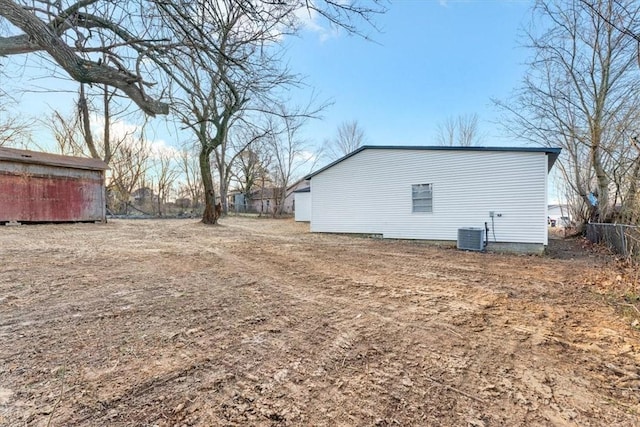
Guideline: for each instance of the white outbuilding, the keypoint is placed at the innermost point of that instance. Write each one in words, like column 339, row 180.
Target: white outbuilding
column 437, row 193
column 302, row 203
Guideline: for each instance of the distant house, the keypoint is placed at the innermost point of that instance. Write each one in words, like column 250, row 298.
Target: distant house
column 559, row 215
column 433, row 192
column 262, row 200
column 183, row 202
column 267, row 199
column 43, row 187
column 143, row 195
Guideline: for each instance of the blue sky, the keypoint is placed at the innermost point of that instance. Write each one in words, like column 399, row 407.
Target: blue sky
column 432, row 60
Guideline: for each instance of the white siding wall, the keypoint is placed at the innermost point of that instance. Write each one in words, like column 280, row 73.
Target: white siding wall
column 371, row 193
column 303, row 206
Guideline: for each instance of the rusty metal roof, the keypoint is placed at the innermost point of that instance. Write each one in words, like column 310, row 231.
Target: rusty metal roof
column 40, row 158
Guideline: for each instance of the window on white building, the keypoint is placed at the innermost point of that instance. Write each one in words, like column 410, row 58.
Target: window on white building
column 422, row 197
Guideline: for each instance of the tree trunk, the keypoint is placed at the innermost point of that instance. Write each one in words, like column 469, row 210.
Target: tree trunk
column 223, row 173
column 86, row 123
column 602, row 180
column 283, row 196
column 209, row 215
column 224, row 190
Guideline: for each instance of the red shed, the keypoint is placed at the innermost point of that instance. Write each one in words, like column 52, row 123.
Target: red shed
column 43, row 187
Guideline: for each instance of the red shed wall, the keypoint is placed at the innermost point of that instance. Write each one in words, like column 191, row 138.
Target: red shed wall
column 37, row 193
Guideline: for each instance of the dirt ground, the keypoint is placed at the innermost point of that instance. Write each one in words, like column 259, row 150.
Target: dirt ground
column 258, row 322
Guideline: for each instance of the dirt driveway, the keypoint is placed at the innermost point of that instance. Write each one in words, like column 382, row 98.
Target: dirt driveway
column 258, row 322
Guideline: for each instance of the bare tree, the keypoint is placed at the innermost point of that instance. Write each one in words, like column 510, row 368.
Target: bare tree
column 349, row 137
column 625, row 20
column 164, row 172
column 251, row 167
column 107, row 144
column 14, row 130
column 192, row 185
column 446, row 132
column 128, row 171
column 133, row 34
column 213, row 88
column 76, row 134
column 459, row 131
column 240, row 137
column 582, row 93
column 67, row 133
column 289, row 153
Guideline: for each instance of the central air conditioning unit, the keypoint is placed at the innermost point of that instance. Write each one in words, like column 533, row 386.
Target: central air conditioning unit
column 471, row 238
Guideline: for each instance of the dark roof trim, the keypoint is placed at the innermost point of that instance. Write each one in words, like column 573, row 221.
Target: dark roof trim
column 303, row 190
column 48, row 159
column 553, row 153
column 295, row 183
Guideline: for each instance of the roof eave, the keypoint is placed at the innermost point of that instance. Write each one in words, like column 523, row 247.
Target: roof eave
column 15, row 155
column 553, row 153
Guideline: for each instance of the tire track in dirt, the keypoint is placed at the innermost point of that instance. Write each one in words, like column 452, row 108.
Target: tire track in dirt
column 530, row 380
column 259, row 323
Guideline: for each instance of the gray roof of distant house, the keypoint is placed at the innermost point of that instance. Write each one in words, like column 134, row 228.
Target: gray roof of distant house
column 303, row 190
column 553, row 153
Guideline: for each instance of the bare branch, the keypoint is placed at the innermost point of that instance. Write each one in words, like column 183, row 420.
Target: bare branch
column 79, row 69
column 349, row 137
column 582, row 94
